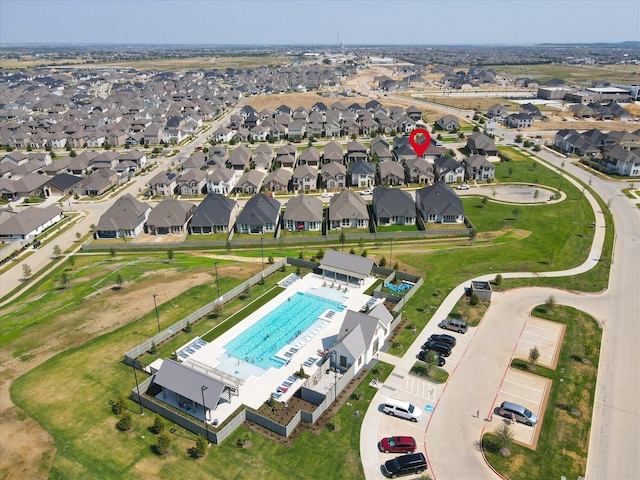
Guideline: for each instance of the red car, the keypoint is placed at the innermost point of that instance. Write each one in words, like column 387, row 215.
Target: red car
column 397, row 444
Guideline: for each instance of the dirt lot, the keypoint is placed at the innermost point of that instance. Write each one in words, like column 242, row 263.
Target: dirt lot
column 31, row 450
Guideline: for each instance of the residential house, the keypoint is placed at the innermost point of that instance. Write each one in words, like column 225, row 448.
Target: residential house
column 419, row 170
column 519, row 120
column 573, row 142
column 448, row 122
column 191, row 182
column 297, row 129
column 195, row 161
column 310, row 156
column 124, row 219
column 218, row 156
column 138, row 158
column 334, row 175
column 448, row 169
column 391, row 173
column 170, row 217
column 223, row 134
column 480, row 144
column 363, row 174
column 303, row 213
column 497, row 110
column 356, row 151
column 305, row 178
column 333, row 153
column 97, row 183
column 174, row 131
column 278, row 180
column 532, row 110
column 621, row 161
column 380, row 150
column 240, row 158
column 222, row 180
column 29, row 223
column 260, row 215
column 153, row 135
column 393, row 206
column 106, row 160
column 261, row 161
column 250, row 182
column 62, row 184
column 344, row 267
column 439, row 204
column 414, row 113
column 216, row 214
column 347, row 210
column 163, row 184
column 478, row 167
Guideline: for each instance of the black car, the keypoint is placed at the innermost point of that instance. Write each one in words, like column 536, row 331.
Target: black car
column 444, row 338
column 438, row 347
column 405, row 465
column 437, row 358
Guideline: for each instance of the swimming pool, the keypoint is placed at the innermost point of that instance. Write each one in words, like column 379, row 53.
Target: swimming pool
column 258, row 344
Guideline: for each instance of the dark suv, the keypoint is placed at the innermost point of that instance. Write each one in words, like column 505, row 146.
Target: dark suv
column 443, row 349
column 444, row 338
column 405, row 465
column 437, row 359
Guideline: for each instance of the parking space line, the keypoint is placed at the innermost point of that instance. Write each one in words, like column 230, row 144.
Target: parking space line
column 520, row 396
column 524, row 386
column 550, row 338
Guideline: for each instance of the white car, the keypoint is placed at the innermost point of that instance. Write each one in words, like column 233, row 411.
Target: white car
column 464, row 186
column 327, row 195
column 366, row 192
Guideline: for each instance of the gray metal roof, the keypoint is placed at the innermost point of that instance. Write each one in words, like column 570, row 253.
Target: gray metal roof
column 188, row 383
column 345, row 262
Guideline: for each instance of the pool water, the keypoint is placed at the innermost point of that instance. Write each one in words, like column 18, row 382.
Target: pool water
column 280, row 327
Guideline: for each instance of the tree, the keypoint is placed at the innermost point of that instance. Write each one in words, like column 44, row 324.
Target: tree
column 383, row 261
column 126, row 422
column 71, row 262
column 505, row 438
column 536, row 148
column 270, row 259
column 516, row 213
column 201, row 447
column 57, row 251
column 550, row 303
column 154, row 348
column 498, row 280
column 534, row 355
column 163, row 445
column 364, row 253
column 119, row 281
column 158, row 425
column 352, row 251
column 170, row 255
column 112, row 252
column 474, row 300
column 119, row 405
column 26, row 271
column 64, row 280
column 518, row 138
column 78, row 235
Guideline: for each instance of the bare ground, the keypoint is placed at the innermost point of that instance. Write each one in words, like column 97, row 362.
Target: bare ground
column 26, row 449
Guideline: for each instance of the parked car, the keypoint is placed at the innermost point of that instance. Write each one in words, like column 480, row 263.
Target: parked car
column 437, row 358
column 444, row 338
column 327, row 195
column 455, row 325
column 443, row 349
column 463, row 186
column 367, row 192
column 398, row 408
column 397, row 445
column 521, row 414
column 405, row 465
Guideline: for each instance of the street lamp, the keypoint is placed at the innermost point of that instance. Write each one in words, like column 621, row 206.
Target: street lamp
column 155, row 304
column 204, row 413
column 262, row 253
column 137, row 386
column 334, row 354
column 391, row 253
column 215, row 264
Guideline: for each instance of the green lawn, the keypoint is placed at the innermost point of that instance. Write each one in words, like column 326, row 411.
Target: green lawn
column 564, row 438
column 397, row 228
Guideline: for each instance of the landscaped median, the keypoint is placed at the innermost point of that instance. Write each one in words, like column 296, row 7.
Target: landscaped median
column 564, row 439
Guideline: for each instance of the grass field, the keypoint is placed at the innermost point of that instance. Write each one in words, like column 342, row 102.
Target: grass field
column 564, row 439
column 572, row 74
column 469, row 103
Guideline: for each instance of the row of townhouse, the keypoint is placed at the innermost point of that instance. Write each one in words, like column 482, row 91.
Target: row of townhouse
column 262, row 214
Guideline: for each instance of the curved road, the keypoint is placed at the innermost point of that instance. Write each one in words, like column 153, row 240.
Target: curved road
column 451, row 433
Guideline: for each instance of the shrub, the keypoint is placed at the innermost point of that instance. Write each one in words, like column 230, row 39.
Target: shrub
column 201, row 447
column 158, row 425
column 119, row 405
column 163, row 446
column 270, row 259
column 126, row 422
column 383, row 261
column 474, row 300
column 498, row 280
column 187, row 328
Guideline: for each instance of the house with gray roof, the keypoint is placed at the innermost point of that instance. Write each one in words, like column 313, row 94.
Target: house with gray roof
column 170, row 217
column 163, row 184
column 418, row 170
column 222, row 180
column 347, row 210
column 344, row 267
column 391, row 173
column 392, row 206
column 448, row 169
column 380, row 150
column 240, row 158
column 259, row 215
column 303, row 213
column 622, row 161
column 29, row 222
column 124, row 219
column 310, row 156
column 250, row 182
column 449, row 123
column 478, row 167
column 361, row 336
column 333, row 152
column 278, row 180
column 305, row 177
column 215, row 214
column 61, row 184
column 191, row 182
column 363, row 174
column 195, row 161
column 439, row 204
column 334, row 175
column 480, row 144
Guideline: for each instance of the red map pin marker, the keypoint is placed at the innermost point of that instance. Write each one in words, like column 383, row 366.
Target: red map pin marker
column 421, row 147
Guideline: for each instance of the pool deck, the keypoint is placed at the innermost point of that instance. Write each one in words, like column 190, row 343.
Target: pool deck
column 258, row 383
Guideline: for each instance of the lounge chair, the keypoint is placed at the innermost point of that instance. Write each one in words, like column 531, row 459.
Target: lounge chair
column 292, row 378
column 190, row 350
column 287, row 384
column 276, row 394
column 282, row 389
column 183, row 355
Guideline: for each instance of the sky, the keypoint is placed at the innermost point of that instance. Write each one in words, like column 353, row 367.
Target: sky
column 319, row 22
